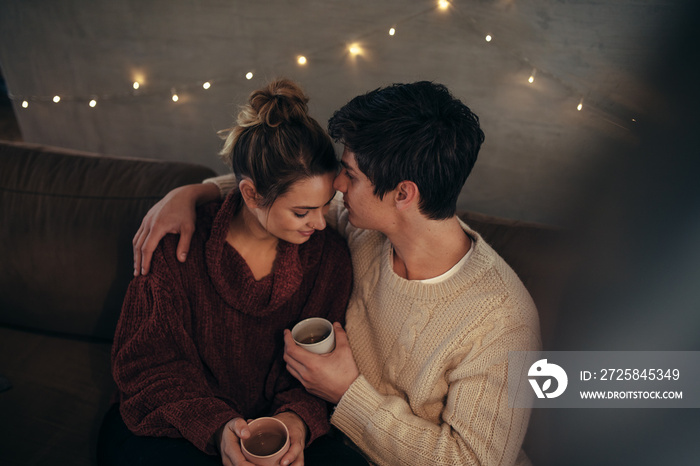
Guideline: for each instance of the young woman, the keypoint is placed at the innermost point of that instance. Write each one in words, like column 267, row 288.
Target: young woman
column 198, row 348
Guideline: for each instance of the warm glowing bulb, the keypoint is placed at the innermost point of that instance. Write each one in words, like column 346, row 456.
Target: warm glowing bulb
column 301, row 60
column 206, row 85
column 580, row 106
column 25, row 104
column 355, row 50
column 249, row 75
column 92, row 103
column 392, row 31
column 136, row 85
column 531, row 79
column 175, row 98
column 56, row 99
column 443, row 4
column 488, row 37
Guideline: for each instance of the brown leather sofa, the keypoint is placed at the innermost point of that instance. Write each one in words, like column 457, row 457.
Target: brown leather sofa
column 66, row 224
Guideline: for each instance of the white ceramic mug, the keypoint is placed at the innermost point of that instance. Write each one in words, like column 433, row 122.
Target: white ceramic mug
column 268, row 441
column 315, row 334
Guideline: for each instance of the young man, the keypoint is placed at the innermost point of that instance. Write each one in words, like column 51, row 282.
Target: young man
column 420, row 377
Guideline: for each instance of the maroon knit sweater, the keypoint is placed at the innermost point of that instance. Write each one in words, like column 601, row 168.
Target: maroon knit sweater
column 201, row 343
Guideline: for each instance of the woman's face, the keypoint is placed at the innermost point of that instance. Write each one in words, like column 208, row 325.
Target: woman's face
column 298, row 213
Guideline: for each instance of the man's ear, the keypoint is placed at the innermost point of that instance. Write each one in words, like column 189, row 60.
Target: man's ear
column 406, row 194
column 249, row 193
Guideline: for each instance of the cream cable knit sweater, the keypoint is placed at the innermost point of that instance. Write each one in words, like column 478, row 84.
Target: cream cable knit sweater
column 432, row 357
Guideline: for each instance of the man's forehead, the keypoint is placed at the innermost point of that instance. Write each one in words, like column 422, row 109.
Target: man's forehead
column 348, row 158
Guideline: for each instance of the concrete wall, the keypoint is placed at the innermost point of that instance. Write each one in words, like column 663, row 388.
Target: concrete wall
column 538, row 147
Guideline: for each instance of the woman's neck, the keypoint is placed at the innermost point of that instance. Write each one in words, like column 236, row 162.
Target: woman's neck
column 254, row 244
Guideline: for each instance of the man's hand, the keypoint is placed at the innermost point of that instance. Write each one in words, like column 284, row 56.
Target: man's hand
column 297, row 438
column 175, row 213
column 229, row 441
column 327, row 376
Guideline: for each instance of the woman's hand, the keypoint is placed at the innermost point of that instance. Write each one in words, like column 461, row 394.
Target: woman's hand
column 229, row 441
column 297, row 438
column 175, row 213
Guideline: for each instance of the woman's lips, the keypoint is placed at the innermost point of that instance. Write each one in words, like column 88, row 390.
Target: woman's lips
column 307, row 233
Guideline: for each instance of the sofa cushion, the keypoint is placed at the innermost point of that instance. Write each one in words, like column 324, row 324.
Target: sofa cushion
column 66, row 223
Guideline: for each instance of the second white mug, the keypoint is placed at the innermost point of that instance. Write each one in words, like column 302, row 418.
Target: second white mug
column 315, row 334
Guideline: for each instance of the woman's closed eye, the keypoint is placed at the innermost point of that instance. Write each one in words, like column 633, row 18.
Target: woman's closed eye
column 298, row 215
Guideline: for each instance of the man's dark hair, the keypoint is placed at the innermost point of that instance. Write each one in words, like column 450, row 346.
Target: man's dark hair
column 416, row 132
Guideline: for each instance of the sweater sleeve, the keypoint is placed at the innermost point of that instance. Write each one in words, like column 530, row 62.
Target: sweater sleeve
column 225, row 183
column 158, row 372
column 476, row 425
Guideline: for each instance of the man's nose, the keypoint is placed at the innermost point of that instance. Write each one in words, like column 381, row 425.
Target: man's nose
column 338, row 183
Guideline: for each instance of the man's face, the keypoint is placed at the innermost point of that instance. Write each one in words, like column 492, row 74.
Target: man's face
column 365, row 210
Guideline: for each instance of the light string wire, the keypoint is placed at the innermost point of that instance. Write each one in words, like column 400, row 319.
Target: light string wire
column 170, row 91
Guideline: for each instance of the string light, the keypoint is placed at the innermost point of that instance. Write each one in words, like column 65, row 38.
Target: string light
column 138, row 78
column 531, row 79
column 354, row 50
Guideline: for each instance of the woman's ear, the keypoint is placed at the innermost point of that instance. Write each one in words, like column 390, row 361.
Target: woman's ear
column 249, row 193
column 406, row 194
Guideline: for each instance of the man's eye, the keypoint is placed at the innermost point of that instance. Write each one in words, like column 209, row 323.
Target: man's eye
column 301, row 215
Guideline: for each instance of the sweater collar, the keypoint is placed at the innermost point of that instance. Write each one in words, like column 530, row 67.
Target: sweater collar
column 479, row 260
column 233, row 279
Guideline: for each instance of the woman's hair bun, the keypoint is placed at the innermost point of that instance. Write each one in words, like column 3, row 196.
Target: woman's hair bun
column 276, row 143
column 280, row 101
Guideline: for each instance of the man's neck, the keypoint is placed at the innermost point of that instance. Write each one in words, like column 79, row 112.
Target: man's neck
column 428, row 248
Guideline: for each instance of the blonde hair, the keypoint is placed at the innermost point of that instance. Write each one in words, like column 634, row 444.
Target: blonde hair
column 275, row 142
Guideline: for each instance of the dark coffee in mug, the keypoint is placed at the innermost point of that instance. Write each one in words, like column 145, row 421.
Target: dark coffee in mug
column 265, row 443
column 312, row 338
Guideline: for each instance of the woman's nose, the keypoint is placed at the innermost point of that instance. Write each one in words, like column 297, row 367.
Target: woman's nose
column 319, row 221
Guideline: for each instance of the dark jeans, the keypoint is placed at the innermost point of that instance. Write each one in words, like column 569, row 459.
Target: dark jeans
column 117, row 446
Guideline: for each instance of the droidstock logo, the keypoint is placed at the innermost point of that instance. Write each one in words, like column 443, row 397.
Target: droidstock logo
column 542, row 370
